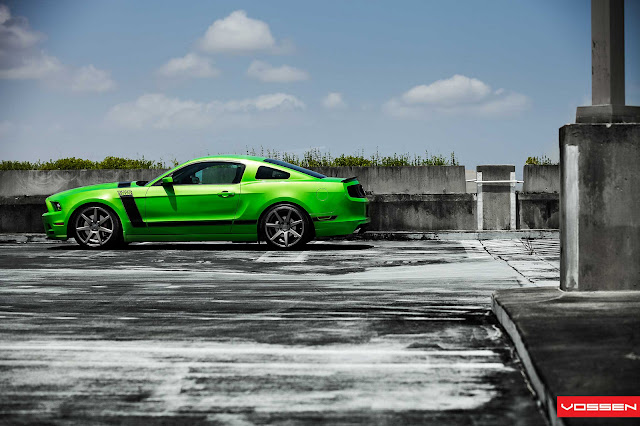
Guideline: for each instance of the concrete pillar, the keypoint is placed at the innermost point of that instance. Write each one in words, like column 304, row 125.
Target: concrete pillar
column 480, row 203
column 496, row 198
column 600, row 207
column 607, row 52
column 607, row 67
column 600, row 171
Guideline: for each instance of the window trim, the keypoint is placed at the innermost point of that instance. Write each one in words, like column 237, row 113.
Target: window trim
column 295, row 168
column 242, row 166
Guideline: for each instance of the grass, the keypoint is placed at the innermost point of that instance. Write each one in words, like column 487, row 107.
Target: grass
column 316, row 158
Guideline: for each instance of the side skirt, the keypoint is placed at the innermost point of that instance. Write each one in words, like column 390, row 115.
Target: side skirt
column 191, row 237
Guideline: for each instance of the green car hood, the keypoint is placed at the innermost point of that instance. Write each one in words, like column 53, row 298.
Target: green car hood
column 112, row 185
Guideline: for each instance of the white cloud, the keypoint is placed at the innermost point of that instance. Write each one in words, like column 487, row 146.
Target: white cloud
column 32, row 67
column 455, row 90
column 159, row 111
column 5, row 15
column 237, row 33
column 458, row 95
column 21, row 60
column 91, row 79
column 284, row 74
column 334, row 100
column 190, row 65
column 15, row 32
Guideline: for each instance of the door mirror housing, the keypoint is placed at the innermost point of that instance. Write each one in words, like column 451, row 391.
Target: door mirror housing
column 167, row 181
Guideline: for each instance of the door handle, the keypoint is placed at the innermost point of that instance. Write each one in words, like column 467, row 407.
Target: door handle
column 226, row 194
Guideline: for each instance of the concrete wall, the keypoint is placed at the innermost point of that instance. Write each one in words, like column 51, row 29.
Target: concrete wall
column 427, row 198
column 22, row 214
column 538, row 211
column 376, row 180
column 401, row 212
column 404, row 180
column 47, row 182
column 406, row 212
column 541, row 179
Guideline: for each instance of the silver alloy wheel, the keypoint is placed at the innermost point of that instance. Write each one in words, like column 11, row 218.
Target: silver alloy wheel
column 284, row 226
column 95, row 226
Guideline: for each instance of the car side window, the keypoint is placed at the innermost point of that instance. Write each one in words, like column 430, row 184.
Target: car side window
column 269, row 173
column 209, row 173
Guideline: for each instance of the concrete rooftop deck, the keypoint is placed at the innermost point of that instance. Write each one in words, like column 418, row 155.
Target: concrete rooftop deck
column 381, row 332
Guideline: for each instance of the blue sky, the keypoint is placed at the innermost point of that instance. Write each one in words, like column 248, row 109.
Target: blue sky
column 491, row 80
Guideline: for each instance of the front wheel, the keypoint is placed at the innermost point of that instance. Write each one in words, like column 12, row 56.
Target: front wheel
column 96, row 226
column 285, row 227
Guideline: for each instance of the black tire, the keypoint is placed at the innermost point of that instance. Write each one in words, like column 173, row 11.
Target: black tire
column 96, row 226
column 285, row 226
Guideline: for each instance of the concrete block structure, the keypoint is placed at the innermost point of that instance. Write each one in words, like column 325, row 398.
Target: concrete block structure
column 496, row 199
column 538, row 205
column 600, row 207
column 541, row 179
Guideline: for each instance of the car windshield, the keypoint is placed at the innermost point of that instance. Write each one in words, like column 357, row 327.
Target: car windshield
column 296, row 168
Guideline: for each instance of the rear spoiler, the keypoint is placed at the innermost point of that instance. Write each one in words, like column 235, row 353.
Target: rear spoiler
column 351, row 179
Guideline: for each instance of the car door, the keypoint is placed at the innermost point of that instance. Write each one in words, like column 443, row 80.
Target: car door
column 202, row 199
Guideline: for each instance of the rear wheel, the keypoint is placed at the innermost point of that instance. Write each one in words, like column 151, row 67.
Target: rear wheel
column 285, row 227
column 96, row 226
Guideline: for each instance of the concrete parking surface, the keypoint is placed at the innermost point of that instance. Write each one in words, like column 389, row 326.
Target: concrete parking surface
column 367, row 333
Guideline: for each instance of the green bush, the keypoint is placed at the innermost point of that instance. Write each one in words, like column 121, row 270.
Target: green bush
column 311, row 158
column 540, row 161
column 73, row 163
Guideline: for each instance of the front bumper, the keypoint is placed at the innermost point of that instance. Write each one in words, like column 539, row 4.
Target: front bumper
column 55, row 226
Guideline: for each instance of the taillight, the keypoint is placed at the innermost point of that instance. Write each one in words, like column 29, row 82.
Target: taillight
column 356, row 191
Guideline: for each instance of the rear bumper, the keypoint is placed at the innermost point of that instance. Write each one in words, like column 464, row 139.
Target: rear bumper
column 54, row 225
column 338, row 227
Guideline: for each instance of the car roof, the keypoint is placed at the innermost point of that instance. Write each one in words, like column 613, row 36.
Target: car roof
column 230, row 157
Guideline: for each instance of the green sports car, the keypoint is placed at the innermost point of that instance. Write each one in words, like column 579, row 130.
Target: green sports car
column 219, row 198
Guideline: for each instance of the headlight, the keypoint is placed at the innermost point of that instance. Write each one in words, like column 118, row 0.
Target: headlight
column 56, row 206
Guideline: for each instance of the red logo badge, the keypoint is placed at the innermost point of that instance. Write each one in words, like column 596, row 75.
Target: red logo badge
column 598, row 406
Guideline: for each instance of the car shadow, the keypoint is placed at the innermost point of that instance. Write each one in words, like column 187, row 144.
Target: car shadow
column 320, row 246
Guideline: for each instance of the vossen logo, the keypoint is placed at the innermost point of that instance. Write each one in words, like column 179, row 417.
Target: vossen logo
column 598, row 406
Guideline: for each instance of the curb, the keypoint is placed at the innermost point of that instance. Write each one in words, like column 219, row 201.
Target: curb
column 545, row 398
column 23, row 238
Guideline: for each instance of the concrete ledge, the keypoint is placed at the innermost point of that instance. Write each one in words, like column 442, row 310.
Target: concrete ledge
column 574, row 344
column 459, row 235
column 9, row 238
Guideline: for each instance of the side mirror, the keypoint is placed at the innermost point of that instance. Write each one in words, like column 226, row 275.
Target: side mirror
column 167, row 181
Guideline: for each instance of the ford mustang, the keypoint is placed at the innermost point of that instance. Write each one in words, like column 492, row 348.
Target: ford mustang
column 218, row 198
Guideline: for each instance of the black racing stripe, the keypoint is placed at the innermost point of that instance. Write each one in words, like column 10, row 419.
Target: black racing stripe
column 324, row 218
column 133, row 213
column 175, row 223
column 124, row 184
column 245, row 222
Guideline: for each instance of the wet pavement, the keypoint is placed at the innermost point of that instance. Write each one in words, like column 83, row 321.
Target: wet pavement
column 358, row 333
